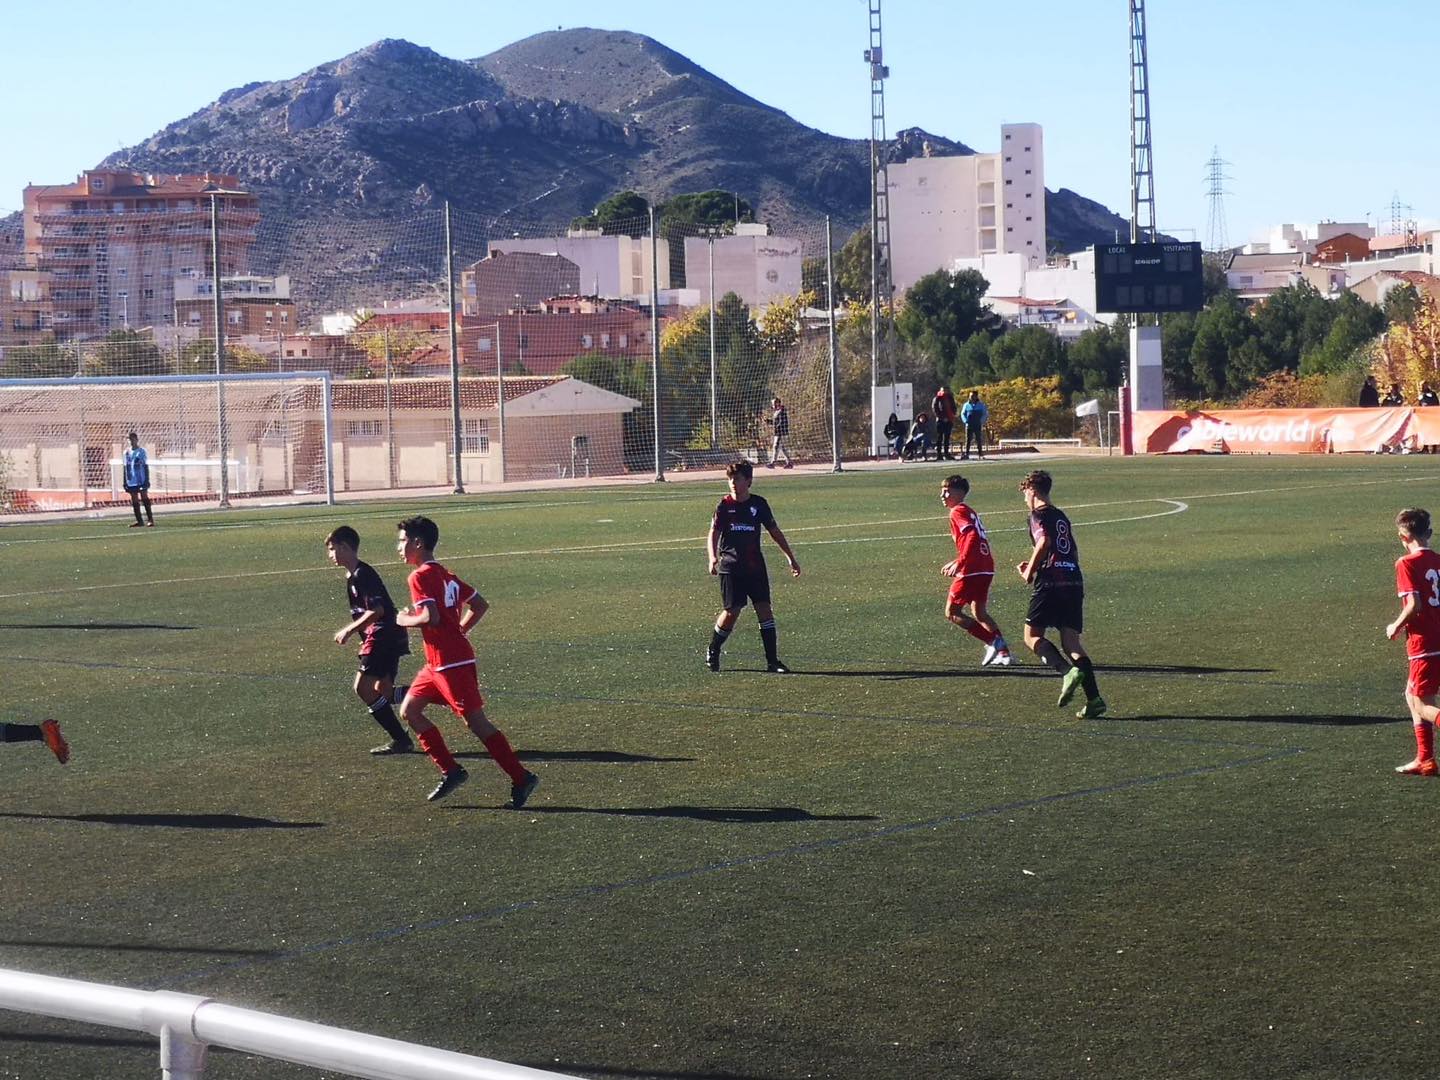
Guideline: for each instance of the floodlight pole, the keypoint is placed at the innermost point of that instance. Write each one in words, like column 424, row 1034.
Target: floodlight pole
column 834, row 351
column 456, row 433
column 221, row 421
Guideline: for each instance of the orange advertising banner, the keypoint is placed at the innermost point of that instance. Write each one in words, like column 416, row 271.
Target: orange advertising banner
column 1281, row 431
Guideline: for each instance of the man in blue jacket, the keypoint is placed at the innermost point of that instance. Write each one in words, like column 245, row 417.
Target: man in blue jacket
column 973, row 414
column 137, row 480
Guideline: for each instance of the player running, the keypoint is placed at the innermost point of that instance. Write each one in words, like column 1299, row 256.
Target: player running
column 446, row 609
column 1058, row 600
column 1417, row 580
column 733, row 547
column 47, row 731
column 973, row 570
column 382, row 642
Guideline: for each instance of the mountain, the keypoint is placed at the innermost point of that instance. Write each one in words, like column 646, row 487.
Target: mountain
column 352, row 158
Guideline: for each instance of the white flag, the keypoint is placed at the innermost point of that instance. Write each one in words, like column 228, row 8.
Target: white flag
column 1088, row 408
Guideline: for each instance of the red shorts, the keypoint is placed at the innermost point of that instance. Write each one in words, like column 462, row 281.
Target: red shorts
column 457, row 687
column 1424, row 676
column 974, row 588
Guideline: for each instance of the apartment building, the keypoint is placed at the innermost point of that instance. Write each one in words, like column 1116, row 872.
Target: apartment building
column 612, row 266
column 752, row 264
column 515, row 280
column 947, row 208
column 113, row 243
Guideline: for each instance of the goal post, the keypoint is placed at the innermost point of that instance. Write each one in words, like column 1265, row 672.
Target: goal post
column 63, row 441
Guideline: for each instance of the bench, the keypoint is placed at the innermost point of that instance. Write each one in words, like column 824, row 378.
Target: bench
column 1034, row 444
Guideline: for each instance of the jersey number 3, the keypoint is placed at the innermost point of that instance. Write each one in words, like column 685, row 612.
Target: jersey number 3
column 1433, row 577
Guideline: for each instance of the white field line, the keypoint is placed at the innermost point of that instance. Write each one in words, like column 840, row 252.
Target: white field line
column 639, row 546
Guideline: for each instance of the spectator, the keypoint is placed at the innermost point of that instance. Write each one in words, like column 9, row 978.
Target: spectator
column 779, row 422
column 1396, row 396
column 1427, row 396
column 974, row 414
column 137, row 481
column 921, row 438
column 1369, row 393
column 895, row 433
column 945, row 410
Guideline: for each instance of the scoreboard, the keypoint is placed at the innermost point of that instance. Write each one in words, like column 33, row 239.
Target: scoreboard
column 1144, row 278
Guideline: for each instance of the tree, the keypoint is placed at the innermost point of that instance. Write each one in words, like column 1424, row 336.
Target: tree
column 852, row 269
column 972, row 363
column 714, row 208
column 779, row 326
column 626, row 213
column 1031, row 352
column 127, row 352
column 1353, row 325
column 944, row 309
column 1033, row 407
column 1220, row 330
column 1409, row 352
column 48, row 360
column 1401, row 303
column 1097, row 359
column 621, row 375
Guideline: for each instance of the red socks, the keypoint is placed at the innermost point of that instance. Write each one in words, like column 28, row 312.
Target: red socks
column 433, row 743
column 1425, row 741
column 981, row 631
column 499, row 748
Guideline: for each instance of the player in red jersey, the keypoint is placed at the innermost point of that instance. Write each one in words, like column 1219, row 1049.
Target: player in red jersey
column 446, row 609
column 1417, row 580
column 973, row 569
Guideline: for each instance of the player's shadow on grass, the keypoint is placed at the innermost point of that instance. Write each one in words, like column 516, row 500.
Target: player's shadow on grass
column 95, row 626
column 172, row 821
column 1028, row 671
column 734, row 815
column 1305, row 719
column 603, row 757
column 132, row 946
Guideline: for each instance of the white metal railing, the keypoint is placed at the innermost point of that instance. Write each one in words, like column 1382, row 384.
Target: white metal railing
column 188, row 1025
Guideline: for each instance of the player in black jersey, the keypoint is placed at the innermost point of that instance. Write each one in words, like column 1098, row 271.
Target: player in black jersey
column 1058, row 600
column 734, row 550
column 382, row 641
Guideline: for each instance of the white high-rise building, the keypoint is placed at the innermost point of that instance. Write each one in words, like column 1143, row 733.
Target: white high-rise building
column 948, row 208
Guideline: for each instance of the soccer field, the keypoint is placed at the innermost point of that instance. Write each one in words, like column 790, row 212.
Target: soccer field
column 891, row 863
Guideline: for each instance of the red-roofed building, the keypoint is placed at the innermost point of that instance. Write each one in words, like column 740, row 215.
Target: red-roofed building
column 542, row 343
column 1346, row 247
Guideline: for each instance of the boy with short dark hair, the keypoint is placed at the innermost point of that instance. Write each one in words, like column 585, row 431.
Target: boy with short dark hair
column 1058, row 600
column 733, row 547
column 1417, row 581
column 382, row 641
column 136, row 468
column 446, row 610
column 972, row 571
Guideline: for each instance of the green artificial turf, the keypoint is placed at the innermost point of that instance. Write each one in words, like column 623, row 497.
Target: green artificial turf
column 889, row 864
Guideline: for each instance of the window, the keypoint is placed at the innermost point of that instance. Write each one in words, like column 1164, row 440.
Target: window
column 1027, row 172
column 122, row 272
column 119, row 229
column 1009, row 182
column 284, row 317
column 586, row 341
column 1029, row 218
column 1008, row 157
column 149, row 294
column 1009, row 206
column 624, row 341
column 1027, row 194
column 1007, row 136
column 97, row 183
column 366, row 429
column 483, row 345
column 1009, row 228
column 233, row 318
column 604, row 341
column 475, row 437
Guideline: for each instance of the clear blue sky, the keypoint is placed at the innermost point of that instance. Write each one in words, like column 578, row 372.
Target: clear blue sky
column 1306, row 99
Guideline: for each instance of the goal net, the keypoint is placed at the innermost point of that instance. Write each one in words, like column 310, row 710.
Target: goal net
column 207, row 439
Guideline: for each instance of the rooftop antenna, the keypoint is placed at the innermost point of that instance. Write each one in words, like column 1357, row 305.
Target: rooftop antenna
column 1216, row 238
column 881, row 288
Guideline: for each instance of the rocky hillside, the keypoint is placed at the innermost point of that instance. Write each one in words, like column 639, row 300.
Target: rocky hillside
column 353, row 158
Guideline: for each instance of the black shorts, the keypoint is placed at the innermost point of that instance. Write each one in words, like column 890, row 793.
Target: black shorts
column 383, row 660
column 1061, row 608
column 739, row 587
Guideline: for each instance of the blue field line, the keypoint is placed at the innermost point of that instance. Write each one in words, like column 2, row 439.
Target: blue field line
column 812, row 847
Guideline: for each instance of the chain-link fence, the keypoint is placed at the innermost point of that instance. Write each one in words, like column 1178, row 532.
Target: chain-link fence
column 463, row 351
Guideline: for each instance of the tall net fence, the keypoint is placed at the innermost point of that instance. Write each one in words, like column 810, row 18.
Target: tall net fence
column 556, row 336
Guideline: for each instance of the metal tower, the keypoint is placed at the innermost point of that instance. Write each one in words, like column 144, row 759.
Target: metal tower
column 1216, row 238
column 881, row 287
column 1142, row 167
